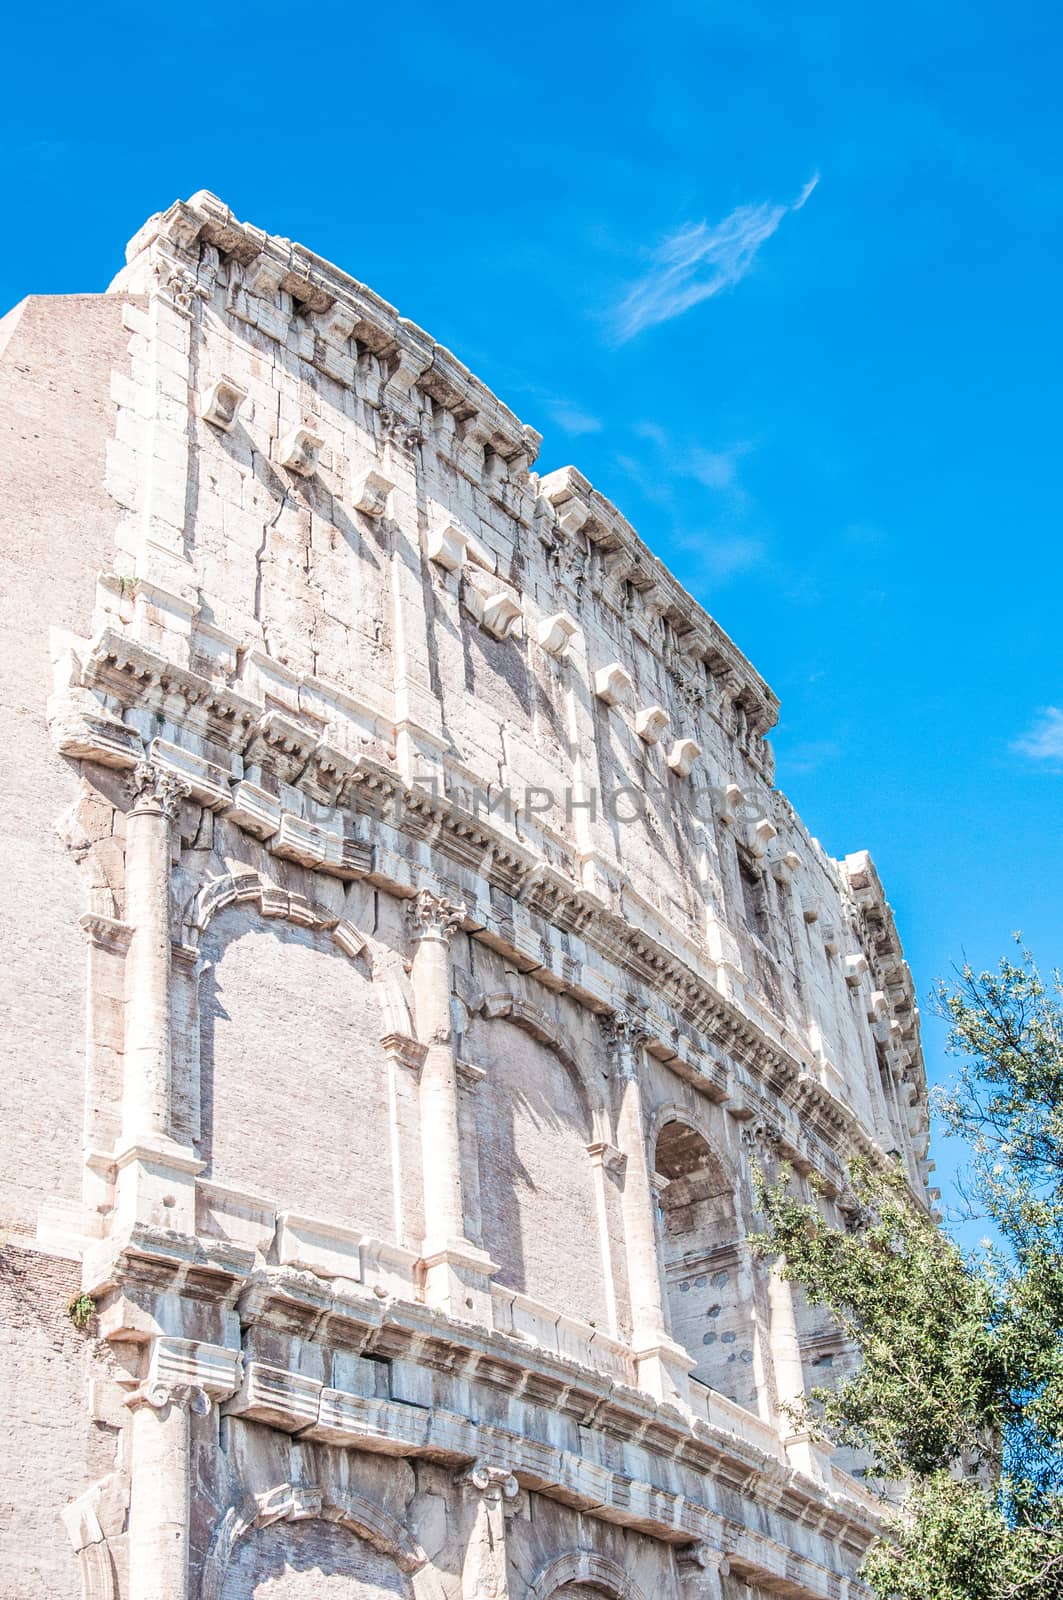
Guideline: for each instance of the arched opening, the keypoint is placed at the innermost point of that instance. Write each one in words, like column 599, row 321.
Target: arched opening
column 703, row 1244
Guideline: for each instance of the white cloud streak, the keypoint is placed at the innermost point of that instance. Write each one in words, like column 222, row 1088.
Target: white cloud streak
column 1044, row 741
column 699, row 261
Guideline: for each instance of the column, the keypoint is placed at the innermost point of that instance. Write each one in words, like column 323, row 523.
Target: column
column 484, row 1574
column 662, row 1366
column 146, row 1094
column 159, row 1495
column 156, row 1174
column 763, row 1141
column 457, row 1272
column 185, row 1377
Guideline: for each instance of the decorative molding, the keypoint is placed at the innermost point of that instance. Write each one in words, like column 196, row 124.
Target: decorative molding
column 295, row 1503
column 587, row 1569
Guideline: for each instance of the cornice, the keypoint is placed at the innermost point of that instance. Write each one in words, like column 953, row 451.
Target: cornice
column 300, row 755
column 335, row 307
column 302, row 1306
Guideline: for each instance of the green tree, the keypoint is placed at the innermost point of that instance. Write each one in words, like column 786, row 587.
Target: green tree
column 959, row 1396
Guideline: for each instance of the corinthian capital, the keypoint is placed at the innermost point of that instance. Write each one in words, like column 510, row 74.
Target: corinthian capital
column 431, row 917
column 625, row 1034
column 155, row 789
column 762, row 1138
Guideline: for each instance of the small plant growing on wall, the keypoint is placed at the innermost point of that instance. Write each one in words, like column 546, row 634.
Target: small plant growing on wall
column 81, row 1310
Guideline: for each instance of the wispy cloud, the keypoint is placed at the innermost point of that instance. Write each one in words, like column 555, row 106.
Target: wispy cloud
column 572, row 420
column 727, row 555
column 700, row 260
column 717, row 469
column 1044, row 741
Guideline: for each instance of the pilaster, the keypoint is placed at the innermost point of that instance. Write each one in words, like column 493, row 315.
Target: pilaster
column 457, row 1273
column 762, row 1140
column 491, row 1490
column 663, row 1367
column 701, row 1570
column 184, row 1379
column 155, row 1174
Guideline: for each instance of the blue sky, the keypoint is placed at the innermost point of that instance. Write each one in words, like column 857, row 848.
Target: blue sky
column 782, row 281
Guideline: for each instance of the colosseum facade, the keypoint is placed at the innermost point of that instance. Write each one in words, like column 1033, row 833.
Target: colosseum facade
column 409, row 959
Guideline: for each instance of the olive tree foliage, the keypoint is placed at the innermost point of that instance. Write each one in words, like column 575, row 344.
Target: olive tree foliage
column 959, row 1395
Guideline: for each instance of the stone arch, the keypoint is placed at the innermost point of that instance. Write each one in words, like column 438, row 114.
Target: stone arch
column 704, row 1254
column 588, row 1568
column 358, row 1513
column 283, row 982
column 543, row 1028
column 536, row 1118
column 232, row 888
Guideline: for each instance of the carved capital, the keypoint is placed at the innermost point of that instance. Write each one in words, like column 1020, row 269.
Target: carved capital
column 625, row 1033
column 762, row 1138
column 188, row 1374
column 159, row 1395
column 179, row 285
column 154, row 789
column 698, row 1565
column 492, row 1480
column 430, row 916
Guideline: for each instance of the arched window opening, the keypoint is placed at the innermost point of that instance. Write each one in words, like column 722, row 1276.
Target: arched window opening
column 705, row 1264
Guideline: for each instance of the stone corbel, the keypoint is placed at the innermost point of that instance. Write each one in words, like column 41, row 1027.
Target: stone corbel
column 220, row 403
column 446, row 545
column 856, row 969
column 470, row 1076
column 370, row 492
column 337, row 323
column 682, row 756
column 729, row 802
column 810, row 909
column 784, row 866
column 500, row 615
column 612, row 684
column 494, row 607
column 557, row 632
column 299, row 451
column 759, row 837
column 650, row 723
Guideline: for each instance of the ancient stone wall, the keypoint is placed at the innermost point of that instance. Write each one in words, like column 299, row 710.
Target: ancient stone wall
column 428, row 958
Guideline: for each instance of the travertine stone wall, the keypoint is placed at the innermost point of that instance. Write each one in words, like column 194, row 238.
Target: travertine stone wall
column 422, row 961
